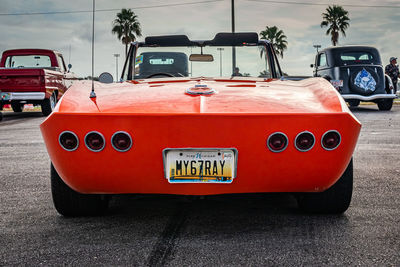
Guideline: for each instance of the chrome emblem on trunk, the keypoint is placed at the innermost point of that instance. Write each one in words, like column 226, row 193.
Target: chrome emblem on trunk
column 200, row 89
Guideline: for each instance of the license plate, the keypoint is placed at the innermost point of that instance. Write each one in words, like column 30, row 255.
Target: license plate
column 208, row 165
column 337, row 83
column 5, row 96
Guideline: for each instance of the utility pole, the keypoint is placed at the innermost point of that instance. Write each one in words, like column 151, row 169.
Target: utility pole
column 191, row 63
column 316, row 47
column 233, row 31
column 116, row 58
column 220, row 49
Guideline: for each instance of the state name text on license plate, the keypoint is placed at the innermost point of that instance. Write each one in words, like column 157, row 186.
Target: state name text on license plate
column 200, row 165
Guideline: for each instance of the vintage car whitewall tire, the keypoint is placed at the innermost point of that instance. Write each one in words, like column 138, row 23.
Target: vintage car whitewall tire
column 334, row 200
column 71, row 203
column 17, row 107
column 48, row 104
column 385, row 104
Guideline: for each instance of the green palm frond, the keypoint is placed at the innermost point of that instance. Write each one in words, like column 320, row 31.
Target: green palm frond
column 277, row 39
column 337, row 20
column 127, row 27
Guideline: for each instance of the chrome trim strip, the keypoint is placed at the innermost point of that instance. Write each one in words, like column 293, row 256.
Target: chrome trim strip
column 102, row 136
column 123, row 133
column 26, row 96
column 368, row 98
column 304, row 150
column 322, row 138
column 235, row 151
column 277, row 151
column 77, row 144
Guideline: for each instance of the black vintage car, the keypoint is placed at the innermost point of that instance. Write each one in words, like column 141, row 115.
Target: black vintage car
column 357, row 73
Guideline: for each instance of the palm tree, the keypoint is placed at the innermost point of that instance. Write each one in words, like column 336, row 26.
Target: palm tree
column 337, row 20
column 127, row 27
column 276, row 37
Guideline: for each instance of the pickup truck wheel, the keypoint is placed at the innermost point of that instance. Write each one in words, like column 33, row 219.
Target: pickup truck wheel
column 1, row 116
column 70, row 203
column 17, row 107
column 48, row 105
column 385, row 104
column 334, row 200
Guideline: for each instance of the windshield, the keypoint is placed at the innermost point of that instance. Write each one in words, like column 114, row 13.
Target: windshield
column 209, row 61
column 27, row 61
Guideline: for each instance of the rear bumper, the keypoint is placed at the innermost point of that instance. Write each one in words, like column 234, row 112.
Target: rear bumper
column 14, row 96
column 370, row 98
column 141, row 169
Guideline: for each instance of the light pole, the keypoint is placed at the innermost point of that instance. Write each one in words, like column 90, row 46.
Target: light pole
column 316, row 47
column 220, row 49
column 233, row 31
column 116, row 59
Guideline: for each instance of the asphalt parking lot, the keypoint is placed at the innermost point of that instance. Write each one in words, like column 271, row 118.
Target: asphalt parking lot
column 239, row 230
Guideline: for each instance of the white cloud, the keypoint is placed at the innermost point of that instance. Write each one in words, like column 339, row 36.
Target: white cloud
column 372, row 26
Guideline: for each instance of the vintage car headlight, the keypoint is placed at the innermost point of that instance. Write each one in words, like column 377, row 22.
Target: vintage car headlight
column 68, row 140
column 330, row 140
column 304, row 141
column 95, row 141
column 121, row 141
column 277, row 142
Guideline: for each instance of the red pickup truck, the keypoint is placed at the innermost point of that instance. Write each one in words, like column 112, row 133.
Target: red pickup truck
column 33, row 76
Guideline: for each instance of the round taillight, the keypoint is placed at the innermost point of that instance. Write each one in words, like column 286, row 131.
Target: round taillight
column 68, row 140
column 95, row 141
column 121, row 141
column 277, row 142
column 304, row 141
column 330, row 140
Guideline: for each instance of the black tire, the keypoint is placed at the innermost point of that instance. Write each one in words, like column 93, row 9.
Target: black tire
column 48, row 104
column 385, row 104
column 353, row 102
column 71, row 203
column 17, row 107
column 1, row 116
column 334, row 200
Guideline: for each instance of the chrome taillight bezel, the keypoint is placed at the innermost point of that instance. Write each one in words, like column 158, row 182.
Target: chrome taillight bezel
column 102, row 136
column 322, row 140
column 277, row 151
column 123, row 132
column 297, row 136
column 77, row 143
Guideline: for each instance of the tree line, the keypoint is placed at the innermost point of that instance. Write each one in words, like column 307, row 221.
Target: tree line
column 127, row 28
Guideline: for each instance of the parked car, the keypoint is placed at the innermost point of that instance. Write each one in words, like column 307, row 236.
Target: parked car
column 357, row 73
column 213, row 133
column 33, row 76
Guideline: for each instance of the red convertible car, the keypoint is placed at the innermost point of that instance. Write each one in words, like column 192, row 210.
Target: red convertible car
column 227, row 122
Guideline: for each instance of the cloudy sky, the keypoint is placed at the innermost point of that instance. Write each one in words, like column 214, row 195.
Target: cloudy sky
column 199, row 19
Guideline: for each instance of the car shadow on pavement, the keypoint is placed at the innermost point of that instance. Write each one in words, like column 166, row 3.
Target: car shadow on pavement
column 236, row 210
column 18, row 116
column 367, row 108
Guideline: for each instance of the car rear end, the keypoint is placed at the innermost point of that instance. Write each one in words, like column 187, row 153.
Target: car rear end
column 359, row 75
column 271, row 152
column 22, row 85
